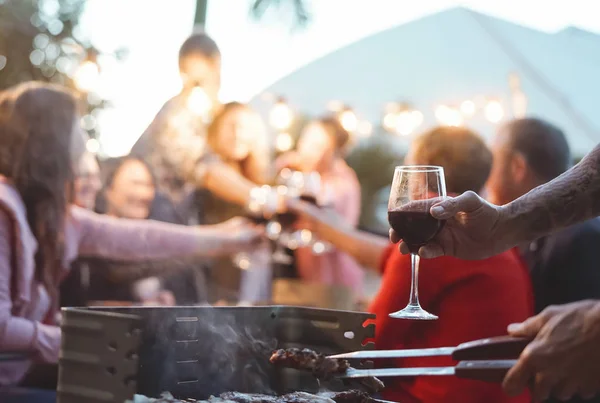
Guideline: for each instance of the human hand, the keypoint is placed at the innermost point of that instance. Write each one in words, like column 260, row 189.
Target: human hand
column 319, row 220
column 473, row 229
column 564, row 358
column 244, row 236
column 291, row 160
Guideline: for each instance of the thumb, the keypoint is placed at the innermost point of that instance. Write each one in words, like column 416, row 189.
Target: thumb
column 528, row 328
column 448, row 208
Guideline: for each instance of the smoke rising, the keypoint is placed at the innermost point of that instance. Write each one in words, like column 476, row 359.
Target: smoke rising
column 211, row 351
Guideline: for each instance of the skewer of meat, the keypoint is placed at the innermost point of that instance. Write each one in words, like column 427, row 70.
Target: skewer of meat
column 321, row 366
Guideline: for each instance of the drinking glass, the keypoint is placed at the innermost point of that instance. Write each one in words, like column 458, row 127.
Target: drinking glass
column 414, row 190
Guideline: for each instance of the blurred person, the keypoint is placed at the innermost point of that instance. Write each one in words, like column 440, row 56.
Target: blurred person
column 237, row 138
column 175, row 142
column 86, row 185
column 473, row 299
column 87, row 182
column 321, row 148
column 43, row 231
column 563, row 266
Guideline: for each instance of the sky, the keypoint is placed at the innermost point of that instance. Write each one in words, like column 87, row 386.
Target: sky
column 256, row 54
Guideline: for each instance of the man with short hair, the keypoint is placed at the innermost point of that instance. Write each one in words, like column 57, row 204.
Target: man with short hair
column 175, row 142
column 563, row 266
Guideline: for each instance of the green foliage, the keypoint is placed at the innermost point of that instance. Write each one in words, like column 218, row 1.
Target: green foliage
column 374, row 164
column 40, row 40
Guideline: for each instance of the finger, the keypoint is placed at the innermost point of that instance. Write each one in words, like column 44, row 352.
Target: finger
column 566, row 390
column 544, row 384
column 519, row 376
column 448, row 208
column 404, row 249
column 431, row 250
column 589, row 388
column 528, row 328
column 394, row 238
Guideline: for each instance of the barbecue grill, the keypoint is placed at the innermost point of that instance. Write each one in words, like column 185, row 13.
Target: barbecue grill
column 109, row 354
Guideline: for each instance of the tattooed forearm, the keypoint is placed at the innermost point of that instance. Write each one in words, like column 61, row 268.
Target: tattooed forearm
column 569, row 199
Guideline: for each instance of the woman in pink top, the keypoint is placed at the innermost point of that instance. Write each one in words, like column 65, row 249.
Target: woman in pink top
column 41, row 232
column 321, row 149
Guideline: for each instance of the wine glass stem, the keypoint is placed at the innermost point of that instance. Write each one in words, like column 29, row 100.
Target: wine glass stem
column 414, row 284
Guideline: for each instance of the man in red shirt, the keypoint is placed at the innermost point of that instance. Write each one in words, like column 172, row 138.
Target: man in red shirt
column 473, row 299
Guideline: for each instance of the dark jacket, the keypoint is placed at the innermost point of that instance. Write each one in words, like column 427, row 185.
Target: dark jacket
column 565, row 267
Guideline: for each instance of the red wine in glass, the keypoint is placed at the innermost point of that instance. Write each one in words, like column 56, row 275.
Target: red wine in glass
column 416, row 228
column 415, row 189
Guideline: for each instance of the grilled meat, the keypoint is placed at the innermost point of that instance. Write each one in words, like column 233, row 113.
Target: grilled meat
column 320, row 365
column 309, row 360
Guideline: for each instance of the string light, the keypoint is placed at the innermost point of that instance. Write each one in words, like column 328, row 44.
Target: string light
column 284, row 142
column 281, row 116
column 467, row 108
column 348, row 120
column 494, row 112
column 87, row 76
column 448, row 116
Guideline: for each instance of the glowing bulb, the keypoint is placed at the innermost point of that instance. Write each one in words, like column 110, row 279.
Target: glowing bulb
column 467, row 108
column 87, row 76
column 92, row 145
column 390, row 121
column 417, row 118
column 348, row 120
column 405, row 123
column 448, row 116
column 281, row 116
column 494, row 111
column 284, row 142
column 198, row 102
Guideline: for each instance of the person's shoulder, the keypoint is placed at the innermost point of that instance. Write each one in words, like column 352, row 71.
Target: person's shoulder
column 584, row 229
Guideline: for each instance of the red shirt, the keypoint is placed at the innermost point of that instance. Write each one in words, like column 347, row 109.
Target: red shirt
column 473, row 299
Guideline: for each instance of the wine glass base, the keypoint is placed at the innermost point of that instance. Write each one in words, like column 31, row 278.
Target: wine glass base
column 414, row 312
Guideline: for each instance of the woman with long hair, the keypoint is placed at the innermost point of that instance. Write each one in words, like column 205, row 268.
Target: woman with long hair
column 41, row 231
column 237, row 139
column 321, row 148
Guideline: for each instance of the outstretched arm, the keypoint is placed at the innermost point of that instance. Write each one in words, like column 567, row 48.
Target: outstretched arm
column 569, row 199
column 476, row 229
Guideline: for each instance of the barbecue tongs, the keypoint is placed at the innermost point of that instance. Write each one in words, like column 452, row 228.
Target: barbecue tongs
column 484, row 360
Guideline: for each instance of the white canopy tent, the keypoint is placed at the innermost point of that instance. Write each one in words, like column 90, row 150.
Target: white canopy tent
column 458, row 55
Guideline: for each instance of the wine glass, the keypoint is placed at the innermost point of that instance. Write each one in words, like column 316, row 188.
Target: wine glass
column 414, row 190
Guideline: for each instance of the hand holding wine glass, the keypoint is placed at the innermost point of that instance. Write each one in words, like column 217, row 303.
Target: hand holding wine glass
column 414, row 190
column 474, row 229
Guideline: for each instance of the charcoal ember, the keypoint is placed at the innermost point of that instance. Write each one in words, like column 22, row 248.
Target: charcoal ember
column 321, row 366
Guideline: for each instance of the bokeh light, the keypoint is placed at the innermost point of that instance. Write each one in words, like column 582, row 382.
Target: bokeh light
column 494, row 112
column 467, row 108
column 284, row 142
column 87, row 76
column 448, row 116
column 198, row 102
column 281, row 116
column 348, row 120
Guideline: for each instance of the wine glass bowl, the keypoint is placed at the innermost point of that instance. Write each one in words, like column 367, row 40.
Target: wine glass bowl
column 415, row 189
